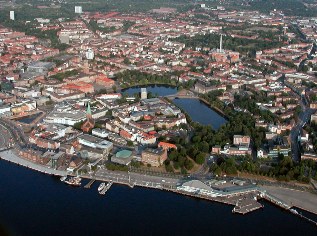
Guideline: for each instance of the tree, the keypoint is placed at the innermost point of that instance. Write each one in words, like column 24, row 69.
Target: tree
column 200, row 158
column 189, row 164
column 130, row 143
column 126, row 61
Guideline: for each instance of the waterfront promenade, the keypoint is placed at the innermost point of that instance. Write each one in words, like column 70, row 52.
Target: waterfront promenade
column 10, row 156
column 243, row 202
column 295, row 198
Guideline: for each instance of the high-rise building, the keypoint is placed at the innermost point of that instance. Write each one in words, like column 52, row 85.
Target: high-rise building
column 143, row 93
column 90, row 54
column 78, row 9
column 12, row 15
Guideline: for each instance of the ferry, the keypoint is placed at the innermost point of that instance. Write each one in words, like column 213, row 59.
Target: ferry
column 101, row 187
column 74, row 181
column 106, row 188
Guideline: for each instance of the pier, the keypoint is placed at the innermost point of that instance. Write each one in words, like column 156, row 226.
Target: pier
column 246, row 205
column 276, row 201
column 302, row 216
column 90, row 183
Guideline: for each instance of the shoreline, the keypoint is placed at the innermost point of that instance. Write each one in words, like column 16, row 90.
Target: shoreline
column 202, row 100
column 122, row 90
column 223, row 200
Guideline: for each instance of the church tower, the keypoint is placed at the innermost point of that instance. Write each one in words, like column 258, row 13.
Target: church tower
column 89, row 124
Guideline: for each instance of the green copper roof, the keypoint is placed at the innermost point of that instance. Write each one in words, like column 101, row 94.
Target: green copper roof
column 88, row 109
column 123, row 154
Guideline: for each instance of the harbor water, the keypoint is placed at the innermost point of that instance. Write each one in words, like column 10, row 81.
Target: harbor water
column 32, row 203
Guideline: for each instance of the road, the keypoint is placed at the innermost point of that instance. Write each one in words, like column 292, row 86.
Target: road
column 4, row 137
column 11, row 156
column 15, row 132
column 303, row 118
column 135, row 178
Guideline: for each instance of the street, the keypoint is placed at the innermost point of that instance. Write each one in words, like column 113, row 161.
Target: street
column 135, row 178
column 303, row 118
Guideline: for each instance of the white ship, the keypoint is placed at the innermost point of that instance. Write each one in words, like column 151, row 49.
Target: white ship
column 106, row 188
column 101, row 187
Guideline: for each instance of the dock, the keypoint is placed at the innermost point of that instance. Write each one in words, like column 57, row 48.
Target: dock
column 246, row 205
column 304, row 217
column 89, row 183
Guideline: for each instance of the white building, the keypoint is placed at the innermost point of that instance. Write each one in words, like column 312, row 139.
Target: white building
column 94, row 142
column 5, row 110
column 90, row 54
column 65, row 115
column 12, row 15
column 196, row 186
column 111, row 96
column 78, row 9
column 100, row 133
column 143, row 93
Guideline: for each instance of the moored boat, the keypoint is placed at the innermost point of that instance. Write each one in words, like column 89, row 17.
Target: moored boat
column 101, row 186
column 63, row 178
column 74, row 181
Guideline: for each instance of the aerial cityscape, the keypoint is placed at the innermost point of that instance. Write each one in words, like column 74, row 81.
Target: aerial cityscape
column 158, row 115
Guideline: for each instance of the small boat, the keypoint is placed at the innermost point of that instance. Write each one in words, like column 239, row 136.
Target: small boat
column 74, row 181
column 101, row 187
column 63, row 178
column 294, row 211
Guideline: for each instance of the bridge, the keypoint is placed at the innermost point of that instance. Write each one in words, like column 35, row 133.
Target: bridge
column 182, row 94
column 191, row 95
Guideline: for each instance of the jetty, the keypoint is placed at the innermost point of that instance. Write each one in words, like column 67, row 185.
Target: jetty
column 90, row 183
column 246, row 205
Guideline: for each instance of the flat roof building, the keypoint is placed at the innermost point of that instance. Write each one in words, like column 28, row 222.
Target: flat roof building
column 154, row 157
column 123, row 157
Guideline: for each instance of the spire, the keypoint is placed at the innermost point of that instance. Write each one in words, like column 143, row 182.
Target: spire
column 88, row 112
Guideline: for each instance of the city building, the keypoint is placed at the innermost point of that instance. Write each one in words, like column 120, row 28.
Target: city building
column 104, row 81
column 241, row 140
column 89, row 124
column 143, row 93
column 313, row 118
column 65, row 115
column 95, row 143
column 101, row 133
column 78, row 9
column 154, row 157
column 40, row 67
column 90, row 54
column 167, row 146
column 12, row 15
column 123, row 157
